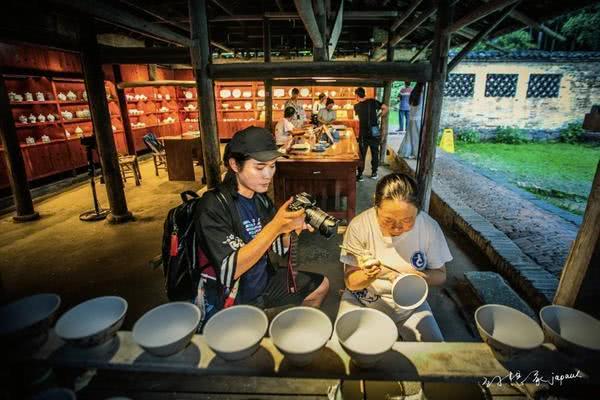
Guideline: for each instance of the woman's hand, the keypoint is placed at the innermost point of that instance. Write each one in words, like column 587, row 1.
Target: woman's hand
column 370, row 266
column 287, row 221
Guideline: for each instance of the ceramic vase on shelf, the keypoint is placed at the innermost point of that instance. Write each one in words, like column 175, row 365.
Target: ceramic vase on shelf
column 28, row 97
column 41, row 118
column 61, row 96
column 71, row 96
column 40, row 96
column 23, row 119
column 29, row 140
column 45, row 139
column 32, row 118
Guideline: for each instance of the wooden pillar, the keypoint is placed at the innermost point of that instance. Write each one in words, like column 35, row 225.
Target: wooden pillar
column 94, row 85
column 580, row 279
column 433, row 106
column 268, row 82
column 14, row 160
column 387, row 95
column 123, row 109
column 152, row 72
column 201, row 57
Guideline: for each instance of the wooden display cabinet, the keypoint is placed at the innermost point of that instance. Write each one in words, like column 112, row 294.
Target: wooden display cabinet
column 189, row 115
column 152, row 109
column 236, row 106
column 50, row 143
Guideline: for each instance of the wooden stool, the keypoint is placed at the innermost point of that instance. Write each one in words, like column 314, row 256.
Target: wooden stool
column 130, row 168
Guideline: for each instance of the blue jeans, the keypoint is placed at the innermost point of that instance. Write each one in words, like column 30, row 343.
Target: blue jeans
column 403, row 119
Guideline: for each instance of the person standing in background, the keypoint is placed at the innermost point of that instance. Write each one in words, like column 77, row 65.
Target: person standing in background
column 300, row 116
column 327, row 115
column 404, row 108
column 318, row 106
column 369, row 136
column 409, row 148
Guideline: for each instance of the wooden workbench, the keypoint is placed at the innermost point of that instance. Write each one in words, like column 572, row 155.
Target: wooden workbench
column 180, row 151
column 330, row 176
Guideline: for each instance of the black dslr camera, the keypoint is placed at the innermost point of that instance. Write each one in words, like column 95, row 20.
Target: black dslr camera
column 315, row 217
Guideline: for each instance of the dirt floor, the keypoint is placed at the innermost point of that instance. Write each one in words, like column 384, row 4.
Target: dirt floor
column 78, row 260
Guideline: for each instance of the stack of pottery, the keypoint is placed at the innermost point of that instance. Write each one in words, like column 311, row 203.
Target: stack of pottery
column 71, row 96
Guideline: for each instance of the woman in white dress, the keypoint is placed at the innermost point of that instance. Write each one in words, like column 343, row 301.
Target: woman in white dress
column 409, row 148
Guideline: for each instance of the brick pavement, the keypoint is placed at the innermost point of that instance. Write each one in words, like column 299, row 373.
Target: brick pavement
column 541, row 235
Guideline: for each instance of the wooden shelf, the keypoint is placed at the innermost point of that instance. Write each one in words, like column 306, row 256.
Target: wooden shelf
column 76, row 102
column 75, row 120
column 31, row 103
column 240, row 110
column 34, row 125
column 54, row 141
column 186, row 99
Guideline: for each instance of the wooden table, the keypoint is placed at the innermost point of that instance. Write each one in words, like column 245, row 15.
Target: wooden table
column 179, row 151
column 330, row 176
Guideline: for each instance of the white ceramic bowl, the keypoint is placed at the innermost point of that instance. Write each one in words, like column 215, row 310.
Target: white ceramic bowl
column 409, row 291
column 300, row 332
column 167, row 329
column 366, row 335
column 26, row 322
column 236, row 93
column 506, row 330
column 571, row 330
column 235, row 332
column 92, row 322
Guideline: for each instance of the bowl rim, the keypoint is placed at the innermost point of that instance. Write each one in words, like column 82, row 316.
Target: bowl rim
column 75, row 337
column 53, row 296
column 238, row 306
column 541, row 332
column 135, row 329
column 545, row 325
column 423, row 299
column 309, row 309
column 364, row 309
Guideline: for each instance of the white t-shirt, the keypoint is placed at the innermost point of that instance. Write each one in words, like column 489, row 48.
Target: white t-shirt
column 424, row 246
column 281, row 131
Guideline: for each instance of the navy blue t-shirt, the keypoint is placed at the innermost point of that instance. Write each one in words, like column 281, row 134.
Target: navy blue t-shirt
column 254, row 281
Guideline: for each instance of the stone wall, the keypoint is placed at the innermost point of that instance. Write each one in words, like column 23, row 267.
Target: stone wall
column 579, row 90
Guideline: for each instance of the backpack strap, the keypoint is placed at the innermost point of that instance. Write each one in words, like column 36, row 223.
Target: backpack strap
column 230, row 300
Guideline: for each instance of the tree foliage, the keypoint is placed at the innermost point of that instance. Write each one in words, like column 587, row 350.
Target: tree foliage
column 584, row 28
column 517, row 40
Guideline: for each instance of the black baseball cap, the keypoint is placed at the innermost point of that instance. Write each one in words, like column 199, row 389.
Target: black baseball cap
column 255, row 142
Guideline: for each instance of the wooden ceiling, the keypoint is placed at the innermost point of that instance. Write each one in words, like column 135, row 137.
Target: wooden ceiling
column 237, row 25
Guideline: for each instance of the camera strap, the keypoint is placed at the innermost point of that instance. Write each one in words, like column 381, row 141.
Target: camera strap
column 292, row 262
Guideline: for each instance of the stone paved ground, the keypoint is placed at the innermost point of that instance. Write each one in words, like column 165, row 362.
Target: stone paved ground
column 543, row 236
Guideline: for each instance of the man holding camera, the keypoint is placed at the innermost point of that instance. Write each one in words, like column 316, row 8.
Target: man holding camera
column 240, row 226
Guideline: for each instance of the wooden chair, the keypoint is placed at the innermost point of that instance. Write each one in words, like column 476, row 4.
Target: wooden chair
column 158, row 152
column 130, row 168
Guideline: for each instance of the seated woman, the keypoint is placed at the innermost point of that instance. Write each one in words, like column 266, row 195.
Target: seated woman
column 398, row 235
column 327, row 115
column 240, row 228
column 284, row 128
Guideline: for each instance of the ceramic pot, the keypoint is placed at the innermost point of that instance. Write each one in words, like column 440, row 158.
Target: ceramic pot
column 571, row 330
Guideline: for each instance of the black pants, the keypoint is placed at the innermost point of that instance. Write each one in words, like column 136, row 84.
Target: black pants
column 365, row 143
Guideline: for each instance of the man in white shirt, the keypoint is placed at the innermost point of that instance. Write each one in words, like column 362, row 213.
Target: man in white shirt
column 284, row 128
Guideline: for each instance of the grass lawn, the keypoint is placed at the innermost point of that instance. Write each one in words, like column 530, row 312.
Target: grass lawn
column 557, row 172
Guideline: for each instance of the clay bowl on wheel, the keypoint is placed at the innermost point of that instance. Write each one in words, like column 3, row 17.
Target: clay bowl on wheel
column 236, row 332
column 299, row 333
column 409, row 291
column 571, row 330
column 167, row 329
column 366, row 335
column 92, row 322
column 507, row 331
column 25, row 322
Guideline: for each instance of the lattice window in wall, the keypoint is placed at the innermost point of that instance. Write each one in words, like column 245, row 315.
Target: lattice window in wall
column 460, row 85
column 501, row 85
column 543, row 85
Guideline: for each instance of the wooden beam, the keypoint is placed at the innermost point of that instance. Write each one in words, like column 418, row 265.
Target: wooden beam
column 289, row 15
column 201, row 58
column 336, row 30
column 222, row 7
column 338, row 69
column 406, row 14
column 15, row 164
column 170, row 82
column 321, row 53
column 480, row 36
column 412, row 27
column 144, row 55
column 268, row 82
column 468, row 35
column 327, row 82
column 38, row 37
column 387, row 95
column 433, row 106
column 307, row 15
column 519, row 16
column 94, row 85
column 578, row 264
column 481, row 12
column 114, row 16
column 418, row 53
